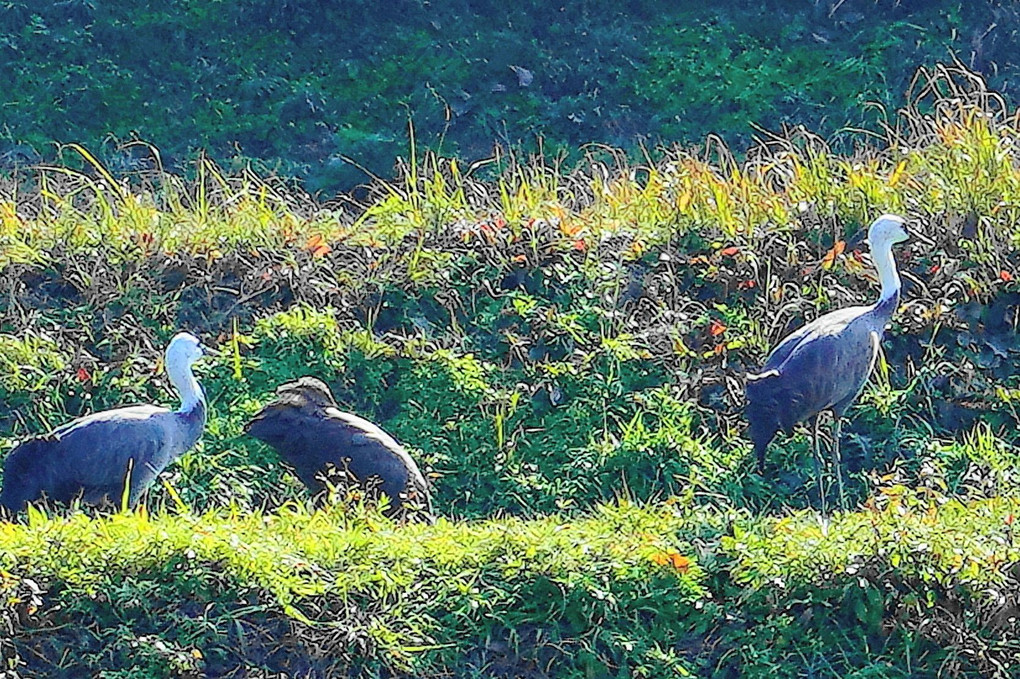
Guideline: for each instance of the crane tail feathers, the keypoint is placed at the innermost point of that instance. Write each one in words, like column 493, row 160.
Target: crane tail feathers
column 20, row 485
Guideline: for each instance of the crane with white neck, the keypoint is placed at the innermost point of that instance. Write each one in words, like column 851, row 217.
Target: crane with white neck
column 95, row 457
column 825, row 364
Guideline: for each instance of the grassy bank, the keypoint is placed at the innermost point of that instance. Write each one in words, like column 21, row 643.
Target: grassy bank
column 564, row 353
column 915, row 584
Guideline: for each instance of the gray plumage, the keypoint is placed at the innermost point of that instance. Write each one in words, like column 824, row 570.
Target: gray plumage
column 822, row 366
column 91, row 457
column 825, row 364
column 311, row 434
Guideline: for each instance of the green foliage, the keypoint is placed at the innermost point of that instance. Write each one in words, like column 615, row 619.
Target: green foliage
column 323, row 91
column 563, row 353
column 28, row 364
column 426, row 587
column 30, row 373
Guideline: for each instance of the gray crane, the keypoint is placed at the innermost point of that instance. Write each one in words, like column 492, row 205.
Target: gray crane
column 306, row 427
column 825, row 364
column 93, row 456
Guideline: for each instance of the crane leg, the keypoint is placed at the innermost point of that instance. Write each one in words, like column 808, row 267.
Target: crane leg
column 817, row 450
column 836, row 461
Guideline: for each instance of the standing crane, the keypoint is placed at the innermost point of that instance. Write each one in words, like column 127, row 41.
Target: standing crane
column 825, row 364
column 309, row 431
column 93, row 457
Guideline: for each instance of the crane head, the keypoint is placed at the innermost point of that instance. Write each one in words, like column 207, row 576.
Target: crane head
column 183, row 350
column 886, row 231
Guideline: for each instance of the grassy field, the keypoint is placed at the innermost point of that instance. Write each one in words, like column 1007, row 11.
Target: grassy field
column 325, row 91
column 564, row 354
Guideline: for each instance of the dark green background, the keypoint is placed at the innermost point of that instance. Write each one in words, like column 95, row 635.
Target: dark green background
column 299, row 85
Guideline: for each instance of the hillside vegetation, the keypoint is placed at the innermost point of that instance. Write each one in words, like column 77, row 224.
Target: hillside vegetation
column 564, row 354
column 324, row 91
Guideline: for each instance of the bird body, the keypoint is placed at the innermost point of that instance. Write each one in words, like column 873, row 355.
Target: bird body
column 838, row 350
column 825, row 364
column 92, row 457
column 308, row 430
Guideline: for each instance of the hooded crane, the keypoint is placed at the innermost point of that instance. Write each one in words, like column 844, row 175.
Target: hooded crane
column 308, row 430
column 825, row 364
column 93, row 456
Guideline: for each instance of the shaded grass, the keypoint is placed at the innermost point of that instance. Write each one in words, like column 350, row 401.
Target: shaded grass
column 305, row 93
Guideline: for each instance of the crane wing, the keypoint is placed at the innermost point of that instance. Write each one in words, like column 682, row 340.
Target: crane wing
column 90, row 456
column 373, row 452
column 832, row 323
column 311, row 434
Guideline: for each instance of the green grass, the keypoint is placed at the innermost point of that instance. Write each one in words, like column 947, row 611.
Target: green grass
column 907, row 585
column 326, row 93
column 416, row 588
column 563, row 352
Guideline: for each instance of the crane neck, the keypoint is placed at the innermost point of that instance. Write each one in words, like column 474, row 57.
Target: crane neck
column 187, row 386
column 887, row 273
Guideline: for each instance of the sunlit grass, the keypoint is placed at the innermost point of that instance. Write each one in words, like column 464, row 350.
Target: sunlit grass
column 415, row 578
column 562, row 351
column 961, row 160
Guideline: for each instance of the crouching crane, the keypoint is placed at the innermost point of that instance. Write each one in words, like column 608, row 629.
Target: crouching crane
column 311, row 434
column 825, row 364
column 94, row 456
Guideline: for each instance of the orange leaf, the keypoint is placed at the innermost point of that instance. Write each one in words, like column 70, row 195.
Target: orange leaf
column 747, row 285
column 520, row 259
column 570, row 229
column 670, row 558
column 317, row 246
column 83, row 375
column 831, row 255
column 730, row 251
column 1005, row 276
column 579, row 244
column 1009, row 519
column 934, row 268
column 716, row 329
column 699, row 259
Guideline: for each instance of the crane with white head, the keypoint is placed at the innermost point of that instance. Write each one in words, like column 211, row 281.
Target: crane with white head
column 93, row 457
column 825, row 364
